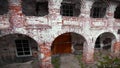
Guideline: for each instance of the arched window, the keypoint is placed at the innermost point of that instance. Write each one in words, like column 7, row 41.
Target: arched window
column 117, row 12
column 98, row 10
column 3, row 7
column 35, row 7
column 28, row 7
column 42, row 8
column 70, row 8
column 23, row 47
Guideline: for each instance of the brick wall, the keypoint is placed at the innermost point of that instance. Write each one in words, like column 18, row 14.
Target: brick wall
column 46, row 28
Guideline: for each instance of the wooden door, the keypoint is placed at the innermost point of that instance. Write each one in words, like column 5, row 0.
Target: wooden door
column 62, row 44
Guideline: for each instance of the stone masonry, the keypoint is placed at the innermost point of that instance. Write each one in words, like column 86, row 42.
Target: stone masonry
column 44, row 29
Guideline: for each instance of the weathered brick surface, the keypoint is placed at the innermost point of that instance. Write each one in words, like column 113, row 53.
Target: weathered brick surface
column 116, row 49
column 16, row 16
column 46, row 29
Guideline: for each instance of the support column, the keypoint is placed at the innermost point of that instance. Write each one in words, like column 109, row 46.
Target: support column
column 85, row 8
column 110, row 10
column 54, row 10
column 110, row 15
column 17, row 19
column 116, row 49
column 45, row 55
column 88, row 52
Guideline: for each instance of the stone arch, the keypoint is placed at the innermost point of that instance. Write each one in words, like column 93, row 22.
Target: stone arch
column 18, row 49
column 105, row 40
column 74, row 43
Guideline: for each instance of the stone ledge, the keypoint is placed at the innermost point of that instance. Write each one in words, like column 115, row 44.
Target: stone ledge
column 38, row 26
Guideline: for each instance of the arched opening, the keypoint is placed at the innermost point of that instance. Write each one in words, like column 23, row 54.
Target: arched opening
column 104, row 41
column 98, row 9
column 67, row 48
column 35, row 7
column 70, row 8
column 104, row 57
column 117, row 12
column 104, row 46
column 18, row 50
column 68, row 43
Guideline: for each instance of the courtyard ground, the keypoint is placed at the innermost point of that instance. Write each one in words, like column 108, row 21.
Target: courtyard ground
column 103, row 59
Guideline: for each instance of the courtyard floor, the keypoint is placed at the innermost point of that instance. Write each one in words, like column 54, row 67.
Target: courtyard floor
column 103, row 59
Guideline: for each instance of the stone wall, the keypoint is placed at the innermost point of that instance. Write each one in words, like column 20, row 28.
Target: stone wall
column 46, row 28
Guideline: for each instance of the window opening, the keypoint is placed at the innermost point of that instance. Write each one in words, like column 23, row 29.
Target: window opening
column 22, row 48
column 3, row 7
column 117, row 13
column 67, row 9
column 97, row 43
column 107, row 43
column 41, row 8
column 98, row 10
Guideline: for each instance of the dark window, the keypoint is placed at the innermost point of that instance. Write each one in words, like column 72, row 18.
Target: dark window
column 107, row 43
column 67, row 9
column 118, row 31
column 117, row 13
column 98, row 10
column 28, row 7
column 3, row 7
column 97, row 43
column 41, row 8
column 34, row 8
column 22, row 48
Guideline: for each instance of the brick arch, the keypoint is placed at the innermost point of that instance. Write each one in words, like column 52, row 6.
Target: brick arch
column 67, row 41
column 22, row 33
column 104, row 36
column 9, row 44
column 102, row 32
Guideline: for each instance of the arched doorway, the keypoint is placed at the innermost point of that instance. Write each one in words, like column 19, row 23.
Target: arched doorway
column 67, row 48
column 104, row 46
column 62, row 44
column 105, row 41
column 18, row 49
column 68, row 43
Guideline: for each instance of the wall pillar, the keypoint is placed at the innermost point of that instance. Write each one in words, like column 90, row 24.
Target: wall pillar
column 54, row 10
column 17, row 19
column 110, row 10
column 85, row 8
column 116, row 49
column 45, row 55
column 88, row 52
column 110, row 16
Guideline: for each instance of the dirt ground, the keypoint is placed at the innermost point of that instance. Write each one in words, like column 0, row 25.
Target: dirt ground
column 29, row 64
